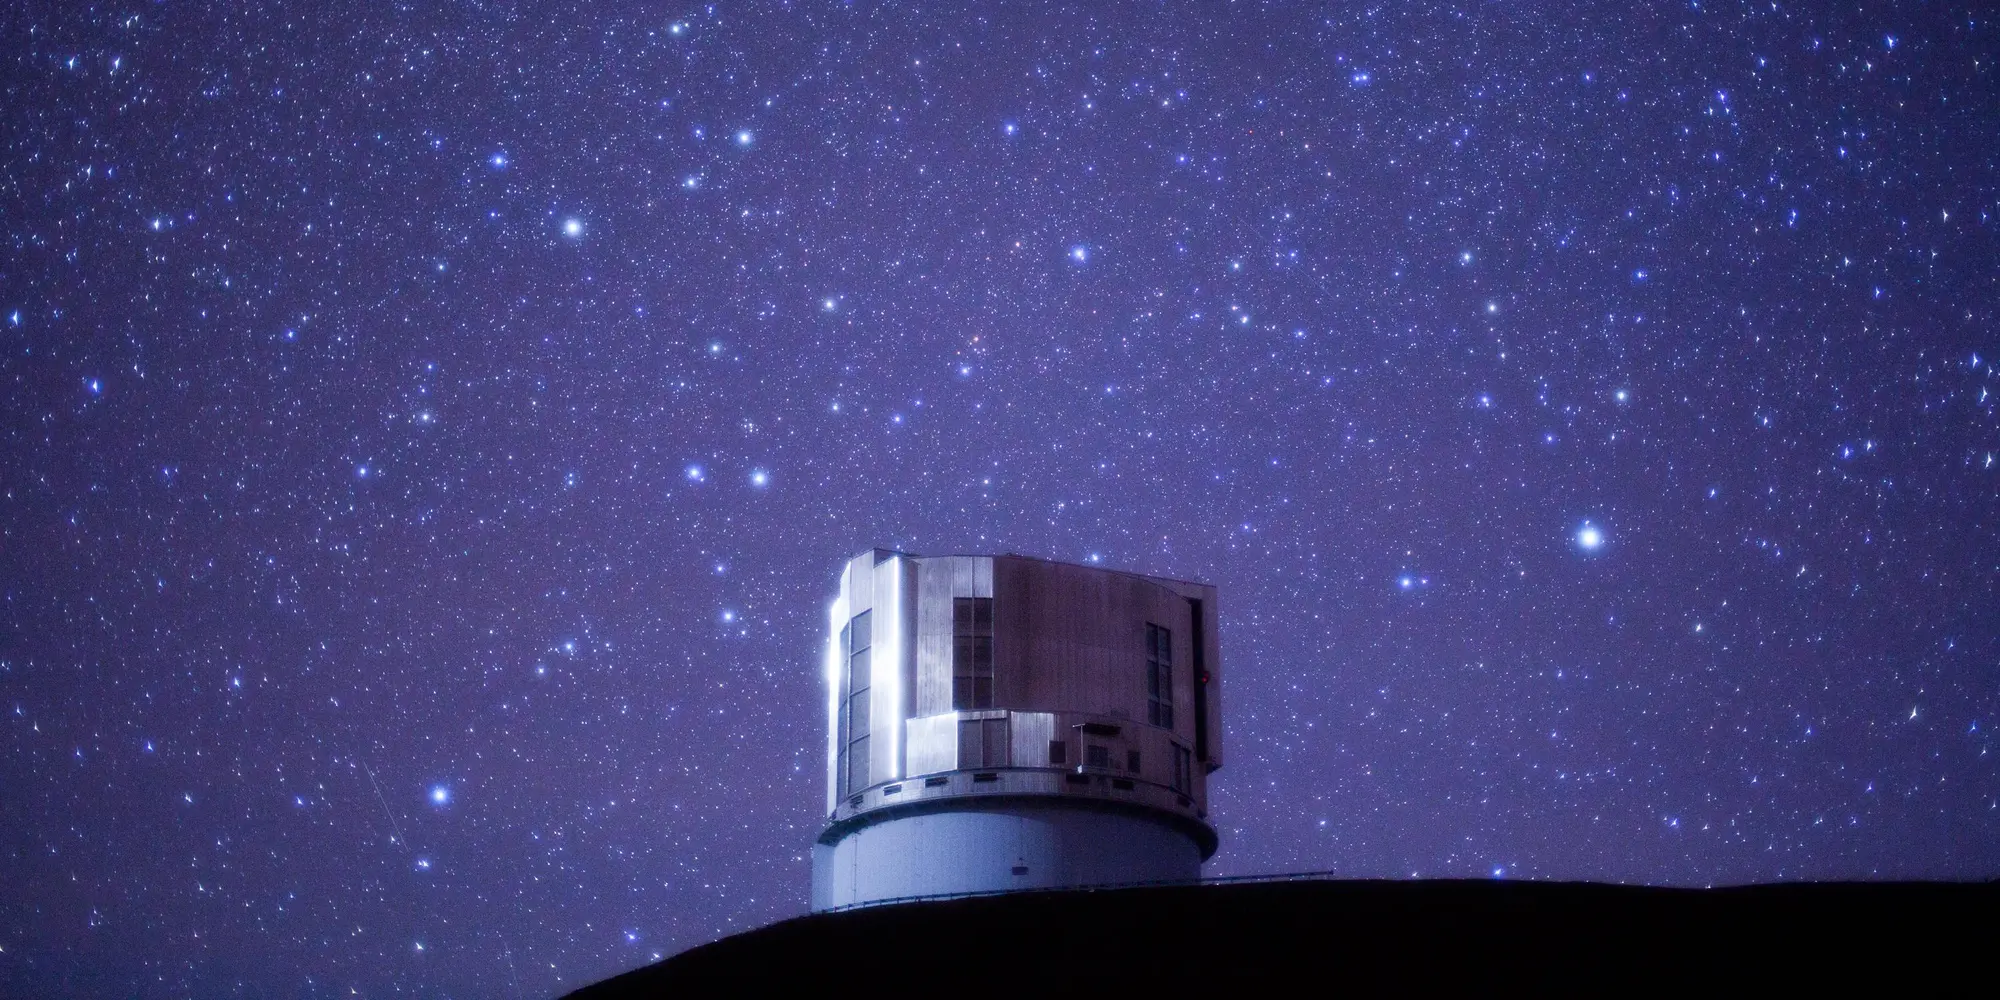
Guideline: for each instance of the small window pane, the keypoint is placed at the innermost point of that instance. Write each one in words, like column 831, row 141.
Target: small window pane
column 857, row 715
column 1058, row 752
column 1097, row 756
column 859, row 670
column 857, row 759
column 1132, row 761
column 861, row 638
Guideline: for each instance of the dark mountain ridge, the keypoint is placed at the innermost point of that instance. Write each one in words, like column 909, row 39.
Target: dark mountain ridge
column 1375, row 936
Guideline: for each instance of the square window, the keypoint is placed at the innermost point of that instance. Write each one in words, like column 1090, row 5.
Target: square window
column 1058, row 752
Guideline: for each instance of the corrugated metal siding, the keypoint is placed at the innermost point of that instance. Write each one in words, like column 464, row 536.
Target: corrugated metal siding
column 933, row 663
column 1031, row 733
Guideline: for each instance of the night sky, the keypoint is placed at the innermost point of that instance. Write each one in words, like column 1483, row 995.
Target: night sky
column 431, row 433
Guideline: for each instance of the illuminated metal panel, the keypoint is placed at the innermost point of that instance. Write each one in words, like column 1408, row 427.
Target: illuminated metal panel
column 1069, row 774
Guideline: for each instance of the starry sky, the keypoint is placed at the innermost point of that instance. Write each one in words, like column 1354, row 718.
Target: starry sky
column 431, row 432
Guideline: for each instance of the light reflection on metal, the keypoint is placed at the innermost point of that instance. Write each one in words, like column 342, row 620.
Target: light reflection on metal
column 893, row 657
column 836, row 618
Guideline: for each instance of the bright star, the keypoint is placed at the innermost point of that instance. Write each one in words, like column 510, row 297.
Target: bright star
column 572, row 228
column 695, row 473
column 1079, row 253
column 1590, row 537
column 744, row 138
column 440, row 795
column 759, row 478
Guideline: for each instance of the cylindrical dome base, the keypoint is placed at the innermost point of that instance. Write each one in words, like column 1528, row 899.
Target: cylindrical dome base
column 976, row 847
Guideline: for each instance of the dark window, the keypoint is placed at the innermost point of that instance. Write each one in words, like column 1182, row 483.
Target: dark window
column 1058, row 752
column 1183, row 769
column 982, row 743
column 1159, row 676
column 855, row 716
column 1132, row 761
column 971, row 652
column 857, row 761
column 1097, row 756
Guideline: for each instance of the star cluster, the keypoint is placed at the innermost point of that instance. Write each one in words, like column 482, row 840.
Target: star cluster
column 430, row 433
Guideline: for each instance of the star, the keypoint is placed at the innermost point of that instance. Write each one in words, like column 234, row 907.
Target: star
column 1589, row 537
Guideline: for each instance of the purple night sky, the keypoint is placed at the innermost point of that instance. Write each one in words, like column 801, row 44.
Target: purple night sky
column 431, row 432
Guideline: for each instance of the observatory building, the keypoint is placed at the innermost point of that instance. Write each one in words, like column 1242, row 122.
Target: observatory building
column 1002, row 722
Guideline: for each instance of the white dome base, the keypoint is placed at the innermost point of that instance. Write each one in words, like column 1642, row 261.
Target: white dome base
column 997, row 848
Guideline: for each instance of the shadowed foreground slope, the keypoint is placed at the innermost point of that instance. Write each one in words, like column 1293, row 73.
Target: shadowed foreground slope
column 1367, row 934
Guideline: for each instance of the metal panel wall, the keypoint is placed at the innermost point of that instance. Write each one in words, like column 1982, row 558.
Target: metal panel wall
column 1031, row 733
column 933, row 743
column 1067, row 639
column 933, row 665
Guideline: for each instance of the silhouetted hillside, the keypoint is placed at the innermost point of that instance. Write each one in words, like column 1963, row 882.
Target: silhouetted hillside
column 1379, row 936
